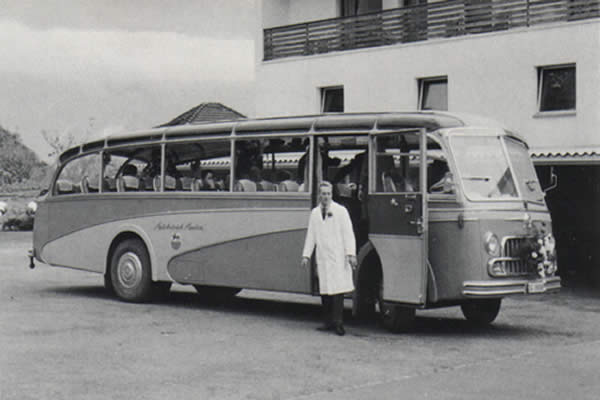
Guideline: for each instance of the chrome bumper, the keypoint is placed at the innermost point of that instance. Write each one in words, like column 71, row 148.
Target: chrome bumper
column 499, row 288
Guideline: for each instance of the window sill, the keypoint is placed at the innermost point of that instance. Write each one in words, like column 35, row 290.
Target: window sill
column 555, row 114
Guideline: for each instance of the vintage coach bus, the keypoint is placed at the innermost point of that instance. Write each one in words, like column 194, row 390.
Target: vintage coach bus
column 446, row 208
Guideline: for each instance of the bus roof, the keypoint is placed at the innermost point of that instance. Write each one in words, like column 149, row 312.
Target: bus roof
column 322, row 123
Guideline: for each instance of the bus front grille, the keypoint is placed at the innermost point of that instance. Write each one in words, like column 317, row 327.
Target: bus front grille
column 515, row 251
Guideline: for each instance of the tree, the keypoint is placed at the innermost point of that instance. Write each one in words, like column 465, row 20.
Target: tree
column 17, row 161
column 58, row 142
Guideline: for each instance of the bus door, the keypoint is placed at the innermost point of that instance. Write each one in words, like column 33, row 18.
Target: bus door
column 397, row 206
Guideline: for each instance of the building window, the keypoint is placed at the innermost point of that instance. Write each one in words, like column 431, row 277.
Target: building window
column 332, row 99
column 556, row 88
column 349, row 8
column 433, row 93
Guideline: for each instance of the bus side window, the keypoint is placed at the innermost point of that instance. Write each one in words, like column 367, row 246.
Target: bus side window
column 440, row 178
column 111, row 166
column 248, row 164
column 80, row 175
column 270, row 165
column 196, row 166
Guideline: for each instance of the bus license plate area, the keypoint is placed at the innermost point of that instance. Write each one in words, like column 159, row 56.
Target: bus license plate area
column 536, row 287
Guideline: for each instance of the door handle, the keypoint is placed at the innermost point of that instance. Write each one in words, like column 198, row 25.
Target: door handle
column 419, row 223
column 394, row 202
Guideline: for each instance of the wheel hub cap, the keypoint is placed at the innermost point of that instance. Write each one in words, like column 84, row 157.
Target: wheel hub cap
column 129, row 270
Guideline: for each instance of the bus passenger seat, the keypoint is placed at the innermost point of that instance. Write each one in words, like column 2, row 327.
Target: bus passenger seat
column 170, row 183
column 156, row 183
column 85, row 184
column 128, row 180
column 64, row 187
column 109, row 185
column 265, row 186
column 244, row 185
column 288, row 186
column 186, row 183
column 147, row 183
column 388, row 183
column 127, row 183
column 88, row 186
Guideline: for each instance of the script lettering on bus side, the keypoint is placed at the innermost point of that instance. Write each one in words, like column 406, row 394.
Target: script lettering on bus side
column 162, row 226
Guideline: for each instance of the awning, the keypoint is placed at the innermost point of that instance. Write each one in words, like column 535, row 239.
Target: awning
column 588, row 155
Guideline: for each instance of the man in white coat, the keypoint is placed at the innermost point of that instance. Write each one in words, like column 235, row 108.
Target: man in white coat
column 330, row 230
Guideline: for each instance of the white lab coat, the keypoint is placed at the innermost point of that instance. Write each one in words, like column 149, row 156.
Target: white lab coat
column 334, row 239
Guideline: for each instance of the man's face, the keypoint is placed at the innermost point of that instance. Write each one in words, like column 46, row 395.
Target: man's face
column 325, row 195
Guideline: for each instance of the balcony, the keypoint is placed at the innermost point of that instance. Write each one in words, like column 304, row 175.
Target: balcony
column 422, row 22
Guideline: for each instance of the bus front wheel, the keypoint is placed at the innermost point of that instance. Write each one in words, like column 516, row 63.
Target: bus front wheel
column 130, row 271
column 481, row 312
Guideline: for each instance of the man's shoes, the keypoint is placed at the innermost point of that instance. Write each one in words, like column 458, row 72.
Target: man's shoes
column 339, row 330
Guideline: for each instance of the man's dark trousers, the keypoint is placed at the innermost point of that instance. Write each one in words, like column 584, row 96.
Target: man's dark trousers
column 333, row 309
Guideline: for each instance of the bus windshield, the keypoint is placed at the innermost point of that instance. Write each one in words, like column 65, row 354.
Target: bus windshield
column 483, row 168
column 523, row 168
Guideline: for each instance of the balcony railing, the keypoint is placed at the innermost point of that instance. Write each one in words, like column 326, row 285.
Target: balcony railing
column 421, row 22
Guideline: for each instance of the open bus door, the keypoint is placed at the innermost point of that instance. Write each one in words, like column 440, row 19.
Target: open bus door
column 398, row 222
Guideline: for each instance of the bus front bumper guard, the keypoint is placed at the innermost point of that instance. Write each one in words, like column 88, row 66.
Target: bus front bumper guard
column 484, row 289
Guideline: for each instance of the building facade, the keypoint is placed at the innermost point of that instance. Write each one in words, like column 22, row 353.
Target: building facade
column 534, row 65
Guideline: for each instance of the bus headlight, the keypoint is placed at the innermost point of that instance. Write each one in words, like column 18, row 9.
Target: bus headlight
column 31, row 208
column 491, row 244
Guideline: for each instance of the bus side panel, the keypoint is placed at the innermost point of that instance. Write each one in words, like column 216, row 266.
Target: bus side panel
column 85, row 249
column 399, row 255
column 40, row 229
column 171, row 234
column 269, row 262
column 455, row 256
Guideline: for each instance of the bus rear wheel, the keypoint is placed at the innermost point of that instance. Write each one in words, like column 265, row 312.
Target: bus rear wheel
column 130, row 271
column 481, row 312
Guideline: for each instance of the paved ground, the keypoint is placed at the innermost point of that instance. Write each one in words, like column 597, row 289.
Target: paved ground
column 63, row 337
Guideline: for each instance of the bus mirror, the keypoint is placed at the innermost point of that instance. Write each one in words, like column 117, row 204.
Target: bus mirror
column 553, row 181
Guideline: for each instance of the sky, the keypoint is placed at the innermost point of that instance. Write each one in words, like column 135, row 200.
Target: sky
column 95, row 67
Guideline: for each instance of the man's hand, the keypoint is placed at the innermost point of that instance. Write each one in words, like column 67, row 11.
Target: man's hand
column 352, row 261
column 305, row 261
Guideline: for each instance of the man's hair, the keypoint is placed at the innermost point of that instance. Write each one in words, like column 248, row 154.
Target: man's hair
column 325, row 184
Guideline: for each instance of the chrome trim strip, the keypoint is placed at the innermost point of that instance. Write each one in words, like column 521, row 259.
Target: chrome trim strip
column 453, row 220
column 486, row 289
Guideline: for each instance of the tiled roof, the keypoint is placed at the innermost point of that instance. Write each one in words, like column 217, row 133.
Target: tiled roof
column 566, row 155
column 206, row 112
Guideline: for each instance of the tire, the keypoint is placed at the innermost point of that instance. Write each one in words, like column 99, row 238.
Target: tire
column 481, row 312
column 216, row 293
column 130, row 271
column 108, row 283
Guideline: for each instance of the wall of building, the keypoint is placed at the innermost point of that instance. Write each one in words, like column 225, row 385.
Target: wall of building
column 493, row 74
